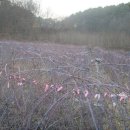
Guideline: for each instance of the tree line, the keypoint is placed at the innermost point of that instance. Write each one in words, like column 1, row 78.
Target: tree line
column 21, row 19
column 108, row 19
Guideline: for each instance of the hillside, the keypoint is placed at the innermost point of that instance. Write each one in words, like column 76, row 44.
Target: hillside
column 72, row 74
column 107, row 27
column 110, row 18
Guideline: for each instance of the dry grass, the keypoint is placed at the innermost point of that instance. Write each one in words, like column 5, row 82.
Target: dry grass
column 44, row 87
column 105, row 40
column 109, row 40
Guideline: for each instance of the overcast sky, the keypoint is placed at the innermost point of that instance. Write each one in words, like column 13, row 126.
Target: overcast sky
column 61, row 8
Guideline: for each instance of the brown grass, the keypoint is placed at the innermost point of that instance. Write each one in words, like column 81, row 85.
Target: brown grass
column 75, row 68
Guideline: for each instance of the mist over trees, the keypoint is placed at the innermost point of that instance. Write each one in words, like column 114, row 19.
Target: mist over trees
column 17, row 18
column 110, row 18
column 21, row 20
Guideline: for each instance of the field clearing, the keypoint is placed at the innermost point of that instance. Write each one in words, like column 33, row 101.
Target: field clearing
column 61, row 87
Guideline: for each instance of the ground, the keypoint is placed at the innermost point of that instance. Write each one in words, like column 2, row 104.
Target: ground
column 57, row 87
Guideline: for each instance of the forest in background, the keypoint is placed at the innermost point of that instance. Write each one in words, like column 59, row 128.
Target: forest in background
column 69, row 85
column 107, row 27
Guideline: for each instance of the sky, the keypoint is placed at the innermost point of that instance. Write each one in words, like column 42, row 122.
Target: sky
column 63, row 8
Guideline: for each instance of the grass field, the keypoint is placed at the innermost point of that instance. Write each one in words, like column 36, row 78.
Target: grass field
column 63, row 87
